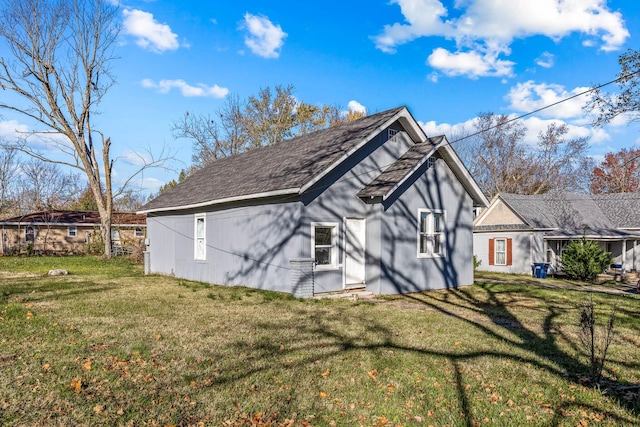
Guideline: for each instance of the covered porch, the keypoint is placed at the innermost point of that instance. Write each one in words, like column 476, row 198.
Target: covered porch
column 624, row 247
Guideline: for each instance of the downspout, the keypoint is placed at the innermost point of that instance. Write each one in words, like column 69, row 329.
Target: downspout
column 531, row 240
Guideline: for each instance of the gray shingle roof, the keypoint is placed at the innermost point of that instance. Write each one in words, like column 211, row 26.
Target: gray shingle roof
column 283, row 166
column 577, row 214
column 394, row 174
column 622, row 209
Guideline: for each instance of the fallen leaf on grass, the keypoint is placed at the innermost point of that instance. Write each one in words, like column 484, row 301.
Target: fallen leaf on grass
column 76, row 385
column 382, row 421
column 391, row 387
column 46, row 367
column 372, row 374
column 29, row 315
column 323, row 395
column 98, row 408
column 86, row 366
column 326, row 373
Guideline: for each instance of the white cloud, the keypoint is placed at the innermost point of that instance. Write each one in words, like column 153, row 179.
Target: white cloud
column 355, row 106
column 473, row 64
column 546, row 60
column 151, row 184
column 529, row 96
column 453, row 132
column 149, row 33
column 534, row 126
column 264, row 39
column 10, row 130
column 135, row 158
column 484, row 29
column 200, row 90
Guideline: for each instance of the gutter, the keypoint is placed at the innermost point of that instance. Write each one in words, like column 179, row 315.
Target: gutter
column 287, row 191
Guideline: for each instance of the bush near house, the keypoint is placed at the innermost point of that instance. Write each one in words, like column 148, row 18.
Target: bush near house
column 584, row 260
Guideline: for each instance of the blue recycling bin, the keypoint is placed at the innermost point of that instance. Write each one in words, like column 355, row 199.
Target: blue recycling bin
column 540, row 270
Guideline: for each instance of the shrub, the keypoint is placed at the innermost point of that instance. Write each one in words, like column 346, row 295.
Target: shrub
column 595, row 345
column 476, row 262
column 584, row 260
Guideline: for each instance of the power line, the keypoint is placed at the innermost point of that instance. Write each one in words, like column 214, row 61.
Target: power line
column 291, row 198
column 593, row 89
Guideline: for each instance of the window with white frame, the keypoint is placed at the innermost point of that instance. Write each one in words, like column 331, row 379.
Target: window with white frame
column 500, row 249
column 139, row 232
column 431, row 237
column 324, row 245
column 200, row 233
column 72, row 231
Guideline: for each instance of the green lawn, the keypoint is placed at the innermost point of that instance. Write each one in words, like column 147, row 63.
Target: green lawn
column 107, row 345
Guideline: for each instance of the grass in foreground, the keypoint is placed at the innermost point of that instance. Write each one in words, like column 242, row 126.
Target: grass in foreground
column 109, row 346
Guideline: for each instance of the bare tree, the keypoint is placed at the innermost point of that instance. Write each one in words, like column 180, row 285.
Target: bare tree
column 9, row 167
column 498, row 154
column 608, row 106
column 59, row 67
column 502, row 162
column 560, row 163
column 266, row 118
column 214, row 139
column 46, row 186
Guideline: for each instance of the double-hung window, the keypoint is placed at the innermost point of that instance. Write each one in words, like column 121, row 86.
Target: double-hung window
column 431, row 233
column 500, row 247
column 200, row 240
column 72, row 231
column 324, row 245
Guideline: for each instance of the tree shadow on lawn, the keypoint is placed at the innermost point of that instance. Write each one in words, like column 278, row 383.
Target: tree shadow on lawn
column 548, row 355
column 30, row 290
column 529, row 347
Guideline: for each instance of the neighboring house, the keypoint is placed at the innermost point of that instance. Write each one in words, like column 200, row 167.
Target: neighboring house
column 60, row 231
column 373, row 203
column 516, row 231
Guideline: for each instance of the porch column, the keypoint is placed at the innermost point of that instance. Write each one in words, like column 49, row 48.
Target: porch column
column 624, row 254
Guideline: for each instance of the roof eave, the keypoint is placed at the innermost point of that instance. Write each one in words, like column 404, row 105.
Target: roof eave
column 465, row 178
column 266, row 194
column 409, row 174
column 408, row 122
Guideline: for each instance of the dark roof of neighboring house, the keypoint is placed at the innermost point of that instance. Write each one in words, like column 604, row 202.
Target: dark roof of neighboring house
column 577, row 214
column 282, row 167
column 394, row 174
column 76, row 217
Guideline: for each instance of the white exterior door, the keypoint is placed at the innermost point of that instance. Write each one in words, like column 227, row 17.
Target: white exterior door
column 354, row 254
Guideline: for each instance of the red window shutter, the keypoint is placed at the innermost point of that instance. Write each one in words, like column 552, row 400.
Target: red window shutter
column 509, row 257
column 492, row 251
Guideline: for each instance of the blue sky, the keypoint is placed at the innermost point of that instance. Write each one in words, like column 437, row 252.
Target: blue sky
column 446, row 61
